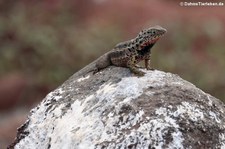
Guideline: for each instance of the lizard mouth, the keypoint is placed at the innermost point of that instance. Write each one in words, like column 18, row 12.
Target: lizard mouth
column 151, row 41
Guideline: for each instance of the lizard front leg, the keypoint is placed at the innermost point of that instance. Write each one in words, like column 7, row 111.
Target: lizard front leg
column 131, row 64
column 148, row 62
column 102, row 62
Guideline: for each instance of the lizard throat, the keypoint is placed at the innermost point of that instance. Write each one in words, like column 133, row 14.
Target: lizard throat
column 149, row 42
column 145, row 49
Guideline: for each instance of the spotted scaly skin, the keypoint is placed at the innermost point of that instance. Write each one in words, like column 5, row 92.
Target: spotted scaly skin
column 129, row 53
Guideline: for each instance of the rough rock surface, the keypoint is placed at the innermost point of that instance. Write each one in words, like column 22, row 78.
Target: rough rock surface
column 114, row 109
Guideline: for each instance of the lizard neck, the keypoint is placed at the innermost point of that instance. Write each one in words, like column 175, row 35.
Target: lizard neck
column 136, row 44
column 146, row 49
column 139, row 45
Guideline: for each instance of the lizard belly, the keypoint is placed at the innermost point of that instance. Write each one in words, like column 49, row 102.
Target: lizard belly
column 139, row 58
column 121, row 62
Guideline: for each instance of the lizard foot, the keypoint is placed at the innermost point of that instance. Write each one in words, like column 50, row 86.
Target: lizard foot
column 140, row 73
column 150, row 68
column 138, row 66
column 137, row 72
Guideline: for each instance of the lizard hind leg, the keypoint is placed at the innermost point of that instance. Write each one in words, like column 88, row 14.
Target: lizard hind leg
column 132, row 66
column 148, row 62
column 102, row 62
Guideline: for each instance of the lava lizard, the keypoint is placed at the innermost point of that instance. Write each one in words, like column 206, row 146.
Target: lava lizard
column 128, row 53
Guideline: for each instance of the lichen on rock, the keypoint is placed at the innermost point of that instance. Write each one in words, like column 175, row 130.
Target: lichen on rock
column 115, row 109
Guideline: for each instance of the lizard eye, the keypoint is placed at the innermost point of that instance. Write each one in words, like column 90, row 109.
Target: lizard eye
column 153, row 32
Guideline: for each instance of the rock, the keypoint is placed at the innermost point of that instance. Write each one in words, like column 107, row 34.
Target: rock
column 114, row 109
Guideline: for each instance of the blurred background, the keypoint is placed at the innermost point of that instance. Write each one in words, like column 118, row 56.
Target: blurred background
column 43, row 42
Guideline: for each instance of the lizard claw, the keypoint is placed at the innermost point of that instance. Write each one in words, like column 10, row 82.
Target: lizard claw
column 140, row 74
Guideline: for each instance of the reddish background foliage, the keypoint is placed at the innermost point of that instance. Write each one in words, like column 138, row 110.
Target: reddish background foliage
column 42, row 43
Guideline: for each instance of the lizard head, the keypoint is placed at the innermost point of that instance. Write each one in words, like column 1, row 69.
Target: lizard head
column 150, row 36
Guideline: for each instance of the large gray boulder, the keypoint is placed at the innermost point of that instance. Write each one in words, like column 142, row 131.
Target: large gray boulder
column 115, row 109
